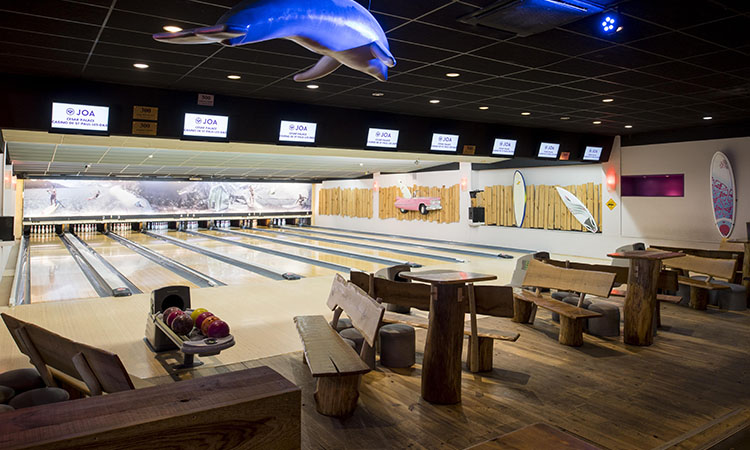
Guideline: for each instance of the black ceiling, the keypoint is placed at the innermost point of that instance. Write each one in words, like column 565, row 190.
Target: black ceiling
column 674, row 62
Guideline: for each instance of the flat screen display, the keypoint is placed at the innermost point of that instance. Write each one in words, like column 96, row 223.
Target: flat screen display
column 379, row 137
column 297, row 131
column 70, row 116
column 592, row 153
column 444, row 142
column 548, row 150
column 204, row 125
column 504, row 147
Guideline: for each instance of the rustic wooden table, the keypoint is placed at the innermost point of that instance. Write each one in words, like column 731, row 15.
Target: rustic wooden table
column 441, row 366
column 640, row 299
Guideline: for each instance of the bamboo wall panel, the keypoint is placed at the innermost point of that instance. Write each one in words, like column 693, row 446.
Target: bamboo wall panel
column 544, row 207
column 345, row 202
column 449, row 199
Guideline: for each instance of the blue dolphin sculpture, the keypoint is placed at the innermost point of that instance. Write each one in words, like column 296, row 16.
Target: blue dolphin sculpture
column 341, row 30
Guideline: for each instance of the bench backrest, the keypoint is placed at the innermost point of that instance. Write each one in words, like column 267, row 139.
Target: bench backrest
column 496, row 301
column 714, row 267
column 542, row 275
column 738, row 247
column 667, row 278
column 365, row 313
column 103, row 370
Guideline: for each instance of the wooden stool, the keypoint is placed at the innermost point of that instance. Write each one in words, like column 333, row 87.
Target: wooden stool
column 608, row 324
column 397, row 345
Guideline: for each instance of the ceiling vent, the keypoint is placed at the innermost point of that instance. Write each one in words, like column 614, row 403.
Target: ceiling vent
column 527, row 17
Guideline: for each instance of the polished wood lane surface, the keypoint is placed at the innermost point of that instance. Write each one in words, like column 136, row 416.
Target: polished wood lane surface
column 144, row 273
column 221, row 271
column 283, row 263
column 359, row 250
column 54, row 273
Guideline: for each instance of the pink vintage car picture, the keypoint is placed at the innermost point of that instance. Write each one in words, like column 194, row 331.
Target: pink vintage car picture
column 421, row 204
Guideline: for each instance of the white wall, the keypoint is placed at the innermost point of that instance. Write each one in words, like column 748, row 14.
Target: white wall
column 666, row 221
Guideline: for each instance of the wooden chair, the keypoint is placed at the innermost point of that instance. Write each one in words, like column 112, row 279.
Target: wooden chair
column 332, row 361
column 66, row 363
column 496, row 301
column 541, row 275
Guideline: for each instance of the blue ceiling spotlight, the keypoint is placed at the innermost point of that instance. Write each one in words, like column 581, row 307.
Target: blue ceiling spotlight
column 610, row 23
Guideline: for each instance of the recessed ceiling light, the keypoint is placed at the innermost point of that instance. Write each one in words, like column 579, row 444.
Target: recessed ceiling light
column 140, row 66
column 312, row 86
column 234, row 77
column 707, row 118
column 628, row 126
column 172, row 28
column 525, row 113
column 434, row 101
column 452, row 74
column 597, row 122
column 377, row 94
column 361, row 164
column 564, row 118
column 607, row 100
column 484, row 108
column 150, row 156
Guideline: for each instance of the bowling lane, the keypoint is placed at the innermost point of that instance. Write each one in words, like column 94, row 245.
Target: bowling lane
column 283, row 263
column 54, row 273
column 358, row 250
column 224, row 272
column 144, row 273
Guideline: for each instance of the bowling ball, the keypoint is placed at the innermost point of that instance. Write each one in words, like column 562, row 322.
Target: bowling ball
column 168, row 311
column 206, row 323
column 217, row 329
column 201, row 317
column 174, row 314
column 197, row 312
column 182, row 324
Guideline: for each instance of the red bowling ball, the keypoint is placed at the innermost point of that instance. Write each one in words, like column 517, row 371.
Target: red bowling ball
column 218, row 329
column 173, row 315
column 203, row 316
column 168, row 311
column 182, row 324
column 206, row 323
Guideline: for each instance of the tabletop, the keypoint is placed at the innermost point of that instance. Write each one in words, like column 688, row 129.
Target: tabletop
column 447, row 276
column 646, row 254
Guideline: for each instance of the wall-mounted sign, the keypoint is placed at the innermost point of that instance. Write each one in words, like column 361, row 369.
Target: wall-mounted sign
column 297, row 131
column 548, row 150
column 378, row 137
column 144, row 128
column 504, row 147
column 469, row 149
column 204, row 125
column 70, row 116
column 564, row 156
column 611, row 204
column 145, row 113
column 444, row 142
column 592, row 154
column 206, row 99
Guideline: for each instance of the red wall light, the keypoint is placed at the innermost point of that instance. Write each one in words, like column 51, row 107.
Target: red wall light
column 611, row 179
column 375, row 186
column 464, row 183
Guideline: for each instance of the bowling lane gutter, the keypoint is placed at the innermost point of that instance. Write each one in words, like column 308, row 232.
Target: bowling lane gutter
column 439, row 241
column 304, row 259
column 375, row 247
column 186, row 272
column 316, row 248
column 257, row 268
column 114, row 278
column 21, row 293
column 94, row 278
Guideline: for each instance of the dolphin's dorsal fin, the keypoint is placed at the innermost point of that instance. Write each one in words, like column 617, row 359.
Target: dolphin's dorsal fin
column 325, row 65
column 382, row 53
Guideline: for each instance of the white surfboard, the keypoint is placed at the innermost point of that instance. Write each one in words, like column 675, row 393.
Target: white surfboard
column 519, row 198
column 578, row 209
column 723, row 194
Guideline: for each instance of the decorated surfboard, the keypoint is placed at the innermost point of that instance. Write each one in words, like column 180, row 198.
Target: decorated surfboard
column 723, row 194
column 578, row 209
column 519, row 198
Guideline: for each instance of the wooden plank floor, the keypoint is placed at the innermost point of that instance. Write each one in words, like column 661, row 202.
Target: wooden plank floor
column 54, row 273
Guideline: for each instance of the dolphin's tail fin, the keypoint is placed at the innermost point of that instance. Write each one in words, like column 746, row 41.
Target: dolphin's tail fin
column 382, row 53
column 205, row 35
column 325, row 65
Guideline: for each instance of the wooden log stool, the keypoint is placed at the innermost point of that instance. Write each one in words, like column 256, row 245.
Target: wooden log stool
column 397, row 345
column 606, row 325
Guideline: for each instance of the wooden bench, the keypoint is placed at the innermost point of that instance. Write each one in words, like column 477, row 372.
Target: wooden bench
column 252, row 408
column 710, row 267
column 541, row 275
column 726, row 250
column 77, row 367
column 332, row 361
column 535, row 437
column 495, row 301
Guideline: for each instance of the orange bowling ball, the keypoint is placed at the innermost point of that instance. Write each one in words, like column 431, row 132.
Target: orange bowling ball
column 206, row 322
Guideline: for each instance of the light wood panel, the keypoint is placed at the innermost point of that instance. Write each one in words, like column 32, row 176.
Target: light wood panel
column 449, row 200
column 544, row 207
column 345, row 202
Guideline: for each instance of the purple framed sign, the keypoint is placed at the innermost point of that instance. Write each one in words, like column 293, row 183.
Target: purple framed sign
column 672, row 185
